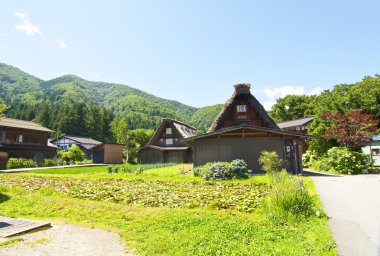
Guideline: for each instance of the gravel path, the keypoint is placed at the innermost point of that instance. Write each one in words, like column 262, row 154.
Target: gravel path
column 353, row 206
column 68, row 240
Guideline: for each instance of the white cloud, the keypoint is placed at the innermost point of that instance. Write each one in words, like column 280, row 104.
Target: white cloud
column 96, row 74
column 62, row 44
column 25, row 26
column 272, row 94
column 316, row 91
column 279, row 92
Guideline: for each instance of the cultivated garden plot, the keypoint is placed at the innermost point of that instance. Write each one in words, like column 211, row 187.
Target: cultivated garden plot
column 168, row 211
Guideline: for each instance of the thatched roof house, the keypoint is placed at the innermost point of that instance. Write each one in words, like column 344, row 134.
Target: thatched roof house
column 166, row 144
column 243, row 129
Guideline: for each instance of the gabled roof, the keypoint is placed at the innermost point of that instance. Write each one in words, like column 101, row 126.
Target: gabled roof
column 249, row 127
column 297, row 122
column 181, row 129
column 242, row 91
column 22, row 124
column 81, row 140
column 164, row 148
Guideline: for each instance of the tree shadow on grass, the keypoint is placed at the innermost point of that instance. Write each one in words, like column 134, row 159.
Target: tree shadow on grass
column 3, row 197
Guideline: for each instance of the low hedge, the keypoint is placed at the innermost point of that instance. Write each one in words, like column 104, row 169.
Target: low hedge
column 15, row 163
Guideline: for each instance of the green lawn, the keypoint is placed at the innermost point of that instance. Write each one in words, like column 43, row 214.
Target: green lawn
column 167, row 211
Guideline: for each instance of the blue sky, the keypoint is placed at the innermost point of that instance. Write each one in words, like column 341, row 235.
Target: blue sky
column 194, row 51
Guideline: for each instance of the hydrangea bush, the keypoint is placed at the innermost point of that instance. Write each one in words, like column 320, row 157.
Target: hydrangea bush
column 237, row 169
column 346, row 161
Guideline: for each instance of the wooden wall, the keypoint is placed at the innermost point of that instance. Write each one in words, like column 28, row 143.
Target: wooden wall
column 29, row 136
column 251, row 117
column 227, row 149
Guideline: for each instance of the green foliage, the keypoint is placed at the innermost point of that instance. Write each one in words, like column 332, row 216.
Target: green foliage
column 74, row 154
column 293, row 107
column 203, row 117
column 15, row 163
column 237, row 169
column 270, row 161
column 49, row 162
column 345, row 161
column 290, row 197
column 307, row 158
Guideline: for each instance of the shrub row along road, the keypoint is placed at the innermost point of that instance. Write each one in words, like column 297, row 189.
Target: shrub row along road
column 353, row 206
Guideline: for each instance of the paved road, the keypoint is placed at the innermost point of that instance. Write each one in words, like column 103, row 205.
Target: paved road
column 353, row 206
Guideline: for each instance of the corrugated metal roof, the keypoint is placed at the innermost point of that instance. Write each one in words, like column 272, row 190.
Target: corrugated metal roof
column 82, row 140
column 297, row 122
column 22, row 124
column 167, row 148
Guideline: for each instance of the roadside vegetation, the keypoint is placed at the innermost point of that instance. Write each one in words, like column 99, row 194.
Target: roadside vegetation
column 169, row 211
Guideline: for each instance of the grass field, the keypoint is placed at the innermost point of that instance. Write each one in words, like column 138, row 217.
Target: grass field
column 168, row 211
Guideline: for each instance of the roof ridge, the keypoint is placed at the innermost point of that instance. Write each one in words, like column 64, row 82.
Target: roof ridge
column 179, row 122
column 296, row 119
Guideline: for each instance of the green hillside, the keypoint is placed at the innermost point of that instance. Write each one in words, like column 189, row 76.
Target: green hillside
column 27, row 95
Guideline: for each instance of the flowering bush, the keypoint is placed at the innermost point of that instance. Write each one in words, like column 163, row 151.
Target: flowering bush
column 237, row 169
column 346, row 161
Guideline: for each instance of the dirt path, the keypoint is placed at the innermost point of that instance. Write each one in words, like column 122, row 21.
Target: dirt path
column 68, row 240
column 353, row 206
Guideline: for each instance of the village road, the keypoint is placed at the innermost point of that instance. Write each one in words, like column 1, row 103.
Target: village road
column 352, row 204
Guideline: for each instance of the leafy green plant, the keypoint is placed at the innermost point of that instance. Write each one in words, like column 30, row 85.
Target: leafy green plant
column 73, row 154
column 307, row 158
column 270, row 161
column 290, row 196
column 14, row 163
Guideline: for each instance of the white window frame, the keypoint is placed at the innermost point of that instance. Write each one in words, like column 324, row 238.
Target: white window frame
column 169, row 141
column 241, row 108
column 169, row 130
column 19, row 138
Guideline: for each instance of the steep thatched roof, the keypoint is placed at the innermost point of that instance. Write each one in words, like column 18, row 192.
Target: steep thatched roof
column 242, row 91
column 182, row 130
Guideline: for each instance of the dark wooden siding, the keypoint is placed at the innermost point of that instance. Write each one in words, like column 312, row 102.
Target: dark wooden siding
column 8, row 135
column 251, row 117
column 228, row 149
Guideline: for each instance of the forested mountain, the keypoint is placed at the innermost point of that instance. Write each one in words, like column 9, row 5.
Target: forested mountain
column 72, row 105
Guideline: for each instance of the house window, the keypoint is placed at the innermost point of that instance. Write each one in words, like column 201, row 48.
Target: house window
column 169, row 141
column 241, row 108
column 168, row 130
column 375, row 151
column 19, row 138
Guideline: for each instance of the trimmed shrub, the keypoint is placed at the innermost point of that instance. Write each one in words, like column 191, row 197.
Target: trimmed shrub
column 49, row 162
column 14, row 163
column 270, row 161
column 237, row 169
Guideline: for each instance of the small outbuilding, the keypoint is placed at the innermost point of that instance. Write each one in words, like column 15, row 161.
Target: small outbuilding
column 166, row 144
column 242, row 130
column 97, row 151
column 373, row 149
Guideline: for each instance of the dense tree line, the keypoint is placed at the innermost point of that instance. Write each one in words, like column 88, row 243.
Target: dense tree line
column 343, row 98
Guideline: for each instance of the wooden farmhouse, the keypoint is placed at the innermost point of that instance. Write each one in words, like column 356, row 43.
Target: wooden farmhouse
column 242, row 130
column 166, row 144
column 25, row 139
column 97, row 151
